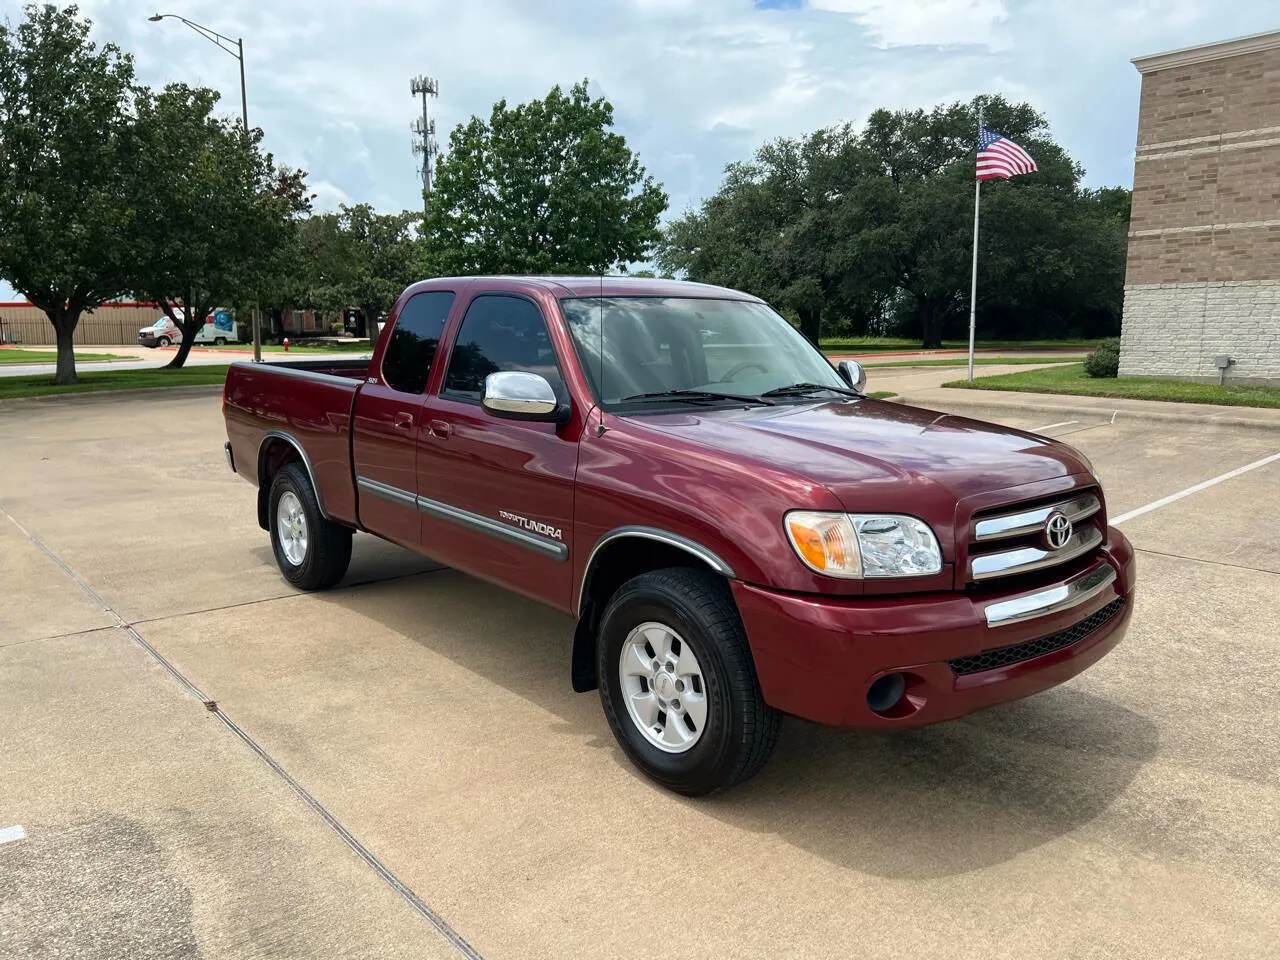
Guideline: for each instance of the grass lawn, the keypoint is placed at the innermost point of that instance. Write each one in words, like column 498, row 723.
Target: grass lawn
column 152, row 378
column 293, row 347
column 19, row 355
column 1071, row 379
column 882, row 395
column 961, row 362
column 903, row 344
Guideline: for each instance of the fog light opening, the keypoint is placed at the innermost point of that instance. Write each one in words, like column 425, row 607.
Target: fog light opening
column 886, row 692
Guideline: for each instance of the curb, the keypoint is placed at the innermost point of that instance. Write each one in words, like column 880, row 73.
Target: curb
column 1211, row 416
column 99, row 396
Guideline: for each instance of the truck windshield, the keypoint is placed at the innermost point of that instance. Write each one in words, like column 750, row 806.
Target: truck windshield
column 641, row 350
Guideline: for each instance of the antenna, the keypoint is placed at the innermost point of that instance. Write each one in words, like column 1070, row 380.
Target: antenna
column 424, row 128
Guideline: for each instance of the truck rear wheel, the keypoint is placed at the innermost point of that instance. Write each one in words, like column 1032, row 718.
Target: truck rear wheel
column 678, row 684
column 313, row 553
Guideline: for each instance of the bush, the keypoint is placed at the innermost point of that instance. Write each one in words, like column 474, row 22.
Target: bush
column 1105, row 361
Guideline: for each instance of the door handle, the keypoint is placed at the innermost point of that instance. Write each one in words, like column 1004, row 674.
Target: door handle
column 440, row 428
column 404, row 421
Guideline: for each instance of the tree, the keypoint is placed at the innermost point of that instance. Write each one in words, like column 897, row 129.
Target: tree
column 876, row 227
column 66, row 207
column 213, row 211
column 774, row 228
column 359, row 258
column 542, row 187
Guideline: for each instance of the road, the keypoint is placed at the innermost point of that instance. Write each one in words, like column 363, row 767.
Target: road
column 398, row 768
column 143, row 357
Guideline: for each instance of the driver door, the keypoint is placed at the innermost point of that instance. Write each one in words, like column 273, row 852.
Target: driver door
column 496, row 495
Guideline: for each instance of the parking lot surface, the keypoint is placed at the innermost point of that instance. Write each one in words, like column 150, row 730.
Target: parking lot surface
column 398, row 768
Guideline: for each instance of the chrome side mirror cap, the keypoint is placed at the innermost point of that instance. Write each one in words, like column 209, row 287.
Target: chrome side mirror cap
column 853, row 374
column 514, row 395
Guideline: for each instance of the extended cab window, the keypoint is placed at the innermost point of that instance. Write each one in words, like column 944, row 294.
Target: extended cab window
column 414, row 340
column 498, row 334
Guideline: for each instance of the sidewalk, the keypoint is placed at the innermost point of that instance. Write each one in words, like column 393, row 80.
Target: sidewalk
column 981, row 403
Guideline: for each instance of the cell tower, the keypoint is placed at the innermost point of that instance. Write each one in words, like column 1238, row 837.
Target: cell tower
column 424, row 128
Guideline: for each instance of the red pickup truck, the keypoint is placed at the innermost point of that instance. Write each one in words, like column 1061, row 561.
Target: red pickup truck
column 738, row 530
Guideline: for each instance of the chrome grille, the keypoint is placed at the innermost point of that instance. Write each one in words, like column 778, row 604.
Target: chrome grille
column 1010, row 543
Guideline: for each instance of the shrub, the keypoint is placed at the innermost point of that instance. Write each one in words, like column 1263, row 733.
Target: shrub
column 1104, row 361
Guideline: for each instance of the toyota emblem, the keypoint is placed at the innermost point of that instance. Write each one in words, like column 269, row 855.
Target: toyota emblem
column 1057, row 530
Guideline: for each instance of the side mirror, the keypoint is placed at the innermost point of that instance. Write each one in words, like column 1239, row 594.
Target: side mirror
column 521, row 396
column 853, row 374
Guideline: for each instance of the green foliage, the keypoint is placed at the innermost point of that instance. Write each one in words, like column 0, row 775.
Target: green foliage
column 1105, row 361
column 542, row 187
column 213, row 212
column 1072, row 380
column 66, row 200
column 871, row 231
column 359, row 258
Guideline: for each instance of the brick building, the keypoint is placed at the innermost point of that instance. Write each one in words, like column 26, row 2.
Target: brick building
column 1203, row 276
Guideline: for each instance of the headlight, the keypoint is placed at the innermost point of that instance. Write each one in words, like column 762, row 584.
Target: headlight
column 857, row 545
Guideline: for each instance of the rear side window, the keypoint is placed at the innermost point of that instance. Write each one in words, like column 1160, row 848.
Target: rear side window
column 499, row 334
column 414, row 340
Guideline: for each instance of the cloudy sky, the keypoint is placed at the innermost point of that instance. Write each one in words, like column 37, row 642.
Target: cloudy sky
column 694, row 83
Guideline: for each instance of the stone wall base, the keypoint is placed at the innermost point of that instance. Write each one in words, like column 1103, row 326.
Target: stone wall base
column 1176, row 330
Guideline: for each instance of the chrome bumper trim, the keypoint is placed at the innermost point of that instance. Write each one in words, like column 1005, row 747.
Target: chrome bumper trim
column 231, row 460
column 1072, row 593
column 1032, row 521
column 1025, row 559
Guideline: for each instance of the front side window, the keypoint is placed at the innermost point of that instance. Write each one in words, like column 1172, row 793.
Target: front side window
column 500, row 333
column 414, row 339
column 631, row 346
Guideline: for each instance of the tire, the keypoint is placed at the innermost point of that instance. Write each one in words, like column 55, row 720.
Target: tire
column 163, row 342
column 738, row 729
column 219, row 341
column 321, row 559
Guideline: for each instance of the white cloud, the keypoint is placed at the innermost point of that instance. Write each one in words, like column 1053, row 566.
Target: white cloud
column 929, row 22
column 695, row 83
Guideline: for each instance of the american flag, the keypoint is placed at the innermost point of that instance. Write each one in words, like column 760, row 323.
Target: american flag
column 1000, row 158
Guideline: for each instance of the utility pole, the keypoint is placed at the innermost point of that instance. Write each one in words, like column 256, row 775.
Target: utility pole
column 424, row 128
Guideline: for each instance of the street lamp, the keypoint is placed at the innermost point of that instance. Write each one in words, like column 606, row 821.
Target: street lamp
column 236, row 49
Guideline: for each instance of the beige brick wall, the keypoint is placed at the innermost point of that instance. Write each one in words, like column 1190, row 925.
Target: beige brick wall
column 1204, row 240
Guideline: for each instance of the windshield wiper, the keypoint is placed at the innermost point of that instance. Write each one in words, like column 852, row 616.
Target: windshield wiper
column 804, row 389
column 694, row 396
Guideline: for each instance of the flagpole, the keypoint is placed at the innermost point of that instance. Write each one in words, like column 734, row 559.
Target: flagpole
column 973, row 284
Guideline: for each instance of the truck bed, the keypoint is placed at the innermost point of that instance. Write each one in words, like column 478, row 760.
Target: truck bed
column 306, row 404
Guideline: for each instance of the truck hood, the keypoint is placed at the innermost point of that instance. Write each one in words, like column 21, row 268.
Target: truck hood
column 863, row 447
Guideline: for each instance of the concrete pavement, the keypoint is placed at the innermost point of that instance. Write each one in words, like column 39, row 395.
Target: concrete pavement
column 1129, row 813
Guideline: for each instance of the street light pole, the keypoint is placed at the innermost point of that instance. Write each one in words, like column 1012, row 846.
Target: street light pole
column 224, row 43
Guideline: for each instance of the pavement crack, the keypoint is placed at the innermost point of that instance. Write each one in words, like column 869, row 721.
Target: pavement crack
column 332, row 822
column 282, row 596
column 1216, row 563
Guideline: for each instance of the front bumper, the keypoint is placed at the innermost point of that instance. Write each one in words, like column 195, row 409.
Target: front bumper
column 817, row 657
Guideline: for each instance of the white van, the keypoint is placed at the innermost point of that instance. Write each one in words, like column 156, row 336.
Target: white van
column 219, row 328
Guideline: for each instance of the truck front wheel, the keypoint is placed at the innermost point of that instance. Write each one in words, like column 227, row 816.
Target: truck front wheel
column 313, row 553
column 678, row 684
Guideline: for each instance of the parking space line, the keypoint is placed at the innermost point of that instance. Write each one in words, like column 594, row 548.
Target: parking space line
column 351, row 840
column 10, row 834
column 1050, row 426
column 1174, row 497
